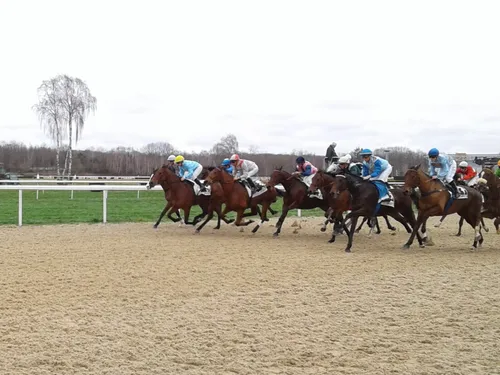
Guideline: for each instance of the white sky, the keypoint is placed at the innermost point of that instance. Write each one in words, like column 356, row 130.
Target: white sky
column 277, row 74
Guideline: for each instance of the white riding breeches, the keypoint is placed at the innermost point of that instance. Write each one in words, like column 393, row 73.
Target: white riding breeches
column 384, row 176
column 197, row 172
column 451, row 172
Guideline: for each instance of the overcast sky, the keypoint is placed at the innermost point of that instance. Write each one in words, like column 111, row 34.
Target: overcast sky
column 281, row 75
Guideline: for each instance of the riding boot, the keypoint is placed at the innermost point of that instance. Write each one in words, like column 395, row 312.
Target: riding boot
column 252, row 185
column 453, row 187
column 198, row 182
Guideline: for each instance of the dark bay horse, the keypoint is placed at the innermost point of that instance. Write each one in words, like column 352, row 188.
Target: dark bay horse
column 323, row 180
column 435, row 201
column 295, row 197
column 181, row 196
column 365, row 197
column 237, row 197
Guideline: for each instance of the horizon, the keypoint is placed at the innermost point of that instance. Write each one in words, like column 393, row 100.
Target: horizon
column 365, row 75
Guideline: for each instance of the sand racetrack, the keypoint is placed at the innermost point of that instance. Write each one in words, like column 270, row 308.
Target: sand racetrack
column 126, row 299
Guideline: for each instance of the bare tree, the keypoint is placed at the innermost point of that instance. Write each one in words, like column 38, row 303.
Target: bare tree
column 159, row 148
column 225, row 147
column 51, row 115
column 78, row 103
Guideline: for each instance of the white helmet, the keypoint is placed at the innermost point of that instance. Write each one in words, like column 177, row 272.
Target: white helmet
column 171, row 158
column 345, row 159
column 463, row 164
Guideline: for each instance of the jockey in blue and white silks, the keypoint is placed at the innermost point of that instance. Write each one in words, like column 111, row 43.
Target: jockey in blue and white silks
column 189, row 169
column 447, row 168
column 374, row 167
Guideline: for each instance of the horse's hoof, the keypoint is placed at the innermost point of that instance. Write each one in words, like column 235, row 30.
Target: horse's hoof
column 323, row 229
column 347, row 250
column 437, row 225
column 197, row 231
column 254, row 230
column 392, row 228
column 405, row 246
column 155, row 226
column 422, row 246
column 275, row 235
column 331, row 240
column 486, row 229
column 458, row 234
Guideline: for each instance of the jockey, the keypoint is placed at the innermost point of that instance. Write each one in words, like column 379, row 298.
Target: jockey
column 171, row 163
column 346, row 165
column 226, row 165
column 447, row 168
column 189, row 169
column 467, row 174
column 304, row 168
column 247, row 168
column 374, row 167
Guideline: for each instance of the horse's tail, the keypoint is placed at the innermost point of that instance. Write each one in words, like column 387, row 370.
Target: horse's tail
column 415, row 198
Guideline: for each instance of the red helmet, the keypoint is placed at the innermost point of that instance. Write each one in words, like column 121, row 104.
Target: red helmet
column 235, row 157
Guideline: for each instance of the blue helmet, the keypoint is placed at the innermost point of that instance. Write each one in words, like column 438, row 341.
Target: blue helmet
column 300, row 160
column 226, row 162
column 365, row 152
column 433, row 152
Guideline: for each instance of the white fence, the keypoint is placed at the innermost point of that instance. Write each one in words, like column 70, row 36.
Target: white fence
column 104, row 188
column 72, row 187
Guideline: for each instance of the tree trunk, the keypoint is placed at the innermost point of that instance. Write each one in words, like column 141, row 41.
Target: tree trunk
column 70, row 146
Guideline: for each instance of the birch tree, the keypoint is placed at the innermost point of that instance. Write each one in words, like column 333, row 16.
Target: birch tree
column 51, row 116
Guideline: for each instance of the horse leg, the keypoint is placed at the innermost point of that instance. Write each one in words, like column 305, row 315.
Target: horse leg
column 496, row 223
column 365, row 219
column 187, row 210
column 263, row 218
column 171, row 212
column 272, row 211
column 354, row 220
column 167, row 207
column 377, row 226
column 460, row 223
column 209, row 217
column 484, row 225
column 400, row 218
column 328, row 216
column 279, row 223
column 420, row 220
column 438, row 224
column 389, row 226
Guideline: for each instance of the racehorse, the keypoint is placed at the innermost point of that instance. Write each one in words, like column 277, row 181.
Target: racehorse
column 237, row 197
column 322, row 180
column 435, row 200
column 181, row 195
column 296, row 195
column 365, row 203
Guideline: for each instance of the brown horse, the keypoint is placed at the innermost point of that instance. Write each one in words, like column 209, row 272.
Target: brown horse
column 365, row 203
column 182, row 195
column 435, row 201
column 237, row 197
column 295, row 196
column 492, row 197
column 323, row 180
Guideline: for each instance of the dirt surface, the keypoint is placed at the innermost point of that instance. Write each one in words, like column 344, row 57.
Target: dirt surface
column 126, row 299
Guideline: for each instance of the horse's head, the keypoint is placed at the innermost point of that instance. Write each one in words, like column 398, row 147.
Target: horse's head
column 218, row 175
column 166, row 173
column 339, row 184
column 277, row 177
column 411, row 179
column 320, row 180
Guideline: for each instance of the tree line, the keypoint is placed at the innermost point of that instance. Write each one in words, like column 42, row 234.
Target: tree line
column 122, row 161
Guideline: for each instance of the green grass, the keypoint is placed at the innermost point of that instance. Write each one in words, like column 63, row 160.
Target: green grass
column 56, row 207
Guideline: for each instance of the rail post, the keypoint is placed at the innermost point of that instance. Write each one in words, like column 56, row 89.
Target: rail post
column 20, row 209
column 104, row 206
